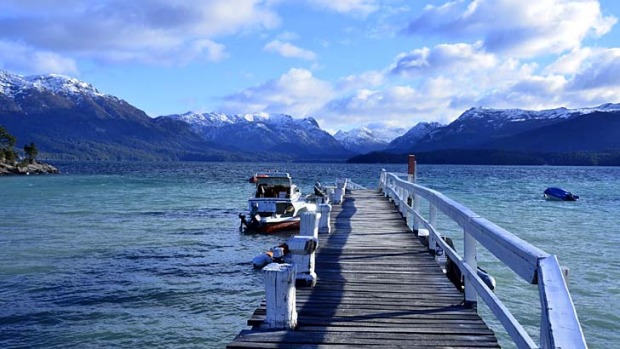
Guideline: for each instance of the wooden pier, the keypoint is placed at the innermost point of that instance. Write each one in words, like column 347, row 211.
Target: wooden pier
column 377, row 286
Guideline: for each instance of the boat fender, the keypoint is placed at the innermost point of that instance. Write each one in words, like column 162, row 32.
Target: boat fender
column 268, row 256
column 487, row 278
column 454, row 273
column 262, row 260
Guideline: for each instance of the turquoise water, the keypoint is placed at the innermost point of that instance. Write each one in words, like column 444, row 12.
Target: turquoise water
column 129, row 255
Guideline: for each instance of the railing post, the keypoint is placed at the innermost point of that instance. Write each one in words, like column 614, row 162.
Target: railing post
column 382, row 181
column 432, row 219
column 280, row 296
column 416, row 207
column 471, row 295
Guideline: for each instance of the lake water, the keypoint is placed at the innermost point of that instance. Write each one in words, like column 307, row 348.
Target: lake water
column 132, row 255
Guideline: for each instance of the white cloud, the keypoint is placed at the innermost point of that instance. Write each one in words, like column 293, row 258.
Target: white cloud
column 443, row 58
column 356, row 7
column 522, row 28
column 289, row 50
column 365, row 79
column 23, row 58
column 148, row 31
column 297, row 92
column 600, row 71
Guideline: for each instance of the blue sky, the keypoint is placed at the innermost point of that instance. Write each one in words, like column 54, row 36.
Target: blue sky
column 347, row 63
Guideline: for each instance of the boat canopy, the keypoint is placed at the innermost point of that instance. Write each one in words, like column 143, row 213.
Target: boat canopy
column 273, row 186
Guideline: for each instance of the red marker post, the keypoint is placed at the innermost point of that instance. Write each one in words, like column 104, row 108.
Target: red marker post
column 411, row 169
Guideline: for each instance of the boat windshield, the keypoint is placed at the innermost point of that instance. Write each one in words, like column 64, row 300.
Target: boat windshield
column 273, row 187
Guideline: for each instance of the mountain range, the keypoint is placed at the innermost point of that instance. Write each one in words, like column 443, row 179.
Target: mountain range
column 71, row 119
column 553, row 130
column 365, row 139
column 266, row 135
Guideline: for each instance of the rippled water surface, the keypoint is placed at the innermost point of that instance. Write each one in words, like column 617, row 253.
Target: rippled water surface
column 131, row 255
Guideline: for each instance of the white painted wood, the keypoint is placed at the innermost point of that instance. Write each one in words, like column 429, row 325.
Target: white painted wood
column 341, row 186
column 417, row 205
column 518, row 334
column 280, row 296
column 302, row 251
column 324, row 221
column 309, row 225
column 559, row 326
column 516, row 253
column 470, row 256
column 422, row 233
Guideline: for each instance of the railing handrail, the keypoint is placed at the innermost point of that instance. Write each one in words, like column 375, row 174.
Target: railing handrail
column 559, row 327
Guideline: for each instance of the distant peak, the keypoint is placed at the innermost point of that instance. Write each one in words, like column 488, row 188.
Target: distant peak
column 12, row 84
column 63, row 84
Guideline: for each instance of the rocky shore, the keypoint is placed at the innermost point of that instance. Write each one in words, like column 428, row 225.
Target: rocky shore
column 25, row 169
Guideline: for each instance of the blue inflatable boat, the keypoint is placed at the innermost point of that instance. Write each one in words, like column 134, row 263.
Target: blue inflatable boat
column 558, row 194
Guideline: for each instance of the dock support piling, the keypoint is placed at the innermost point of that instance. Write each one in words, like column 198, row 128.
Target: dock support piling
column 280, row 296
column 324, row 222
column 309, row 225
column 302, row 250
column 341, row 186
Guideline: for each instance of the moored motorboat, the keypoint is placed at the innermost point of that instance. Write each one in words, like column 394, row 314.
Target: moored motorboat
column 558, row 194
column 276, row 204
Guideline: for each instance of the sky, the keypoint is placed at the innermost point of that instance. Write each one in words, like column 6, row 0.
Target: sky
column 346, row 63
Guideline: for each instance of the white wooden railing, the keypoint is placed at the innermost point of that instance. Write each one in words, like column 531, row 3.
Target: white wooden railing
column 559, row 325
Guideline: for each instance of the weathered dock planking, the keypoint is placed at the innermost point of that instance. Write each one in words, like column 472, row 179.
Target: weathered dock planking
column 377, row 286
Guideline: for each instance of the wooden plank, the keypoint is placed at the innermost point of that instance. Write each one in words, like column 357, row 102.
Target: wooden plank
column 377, row 286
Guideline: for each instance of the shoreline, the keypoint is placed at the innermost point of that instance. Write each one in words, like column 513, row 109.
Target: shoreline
column 33, row 168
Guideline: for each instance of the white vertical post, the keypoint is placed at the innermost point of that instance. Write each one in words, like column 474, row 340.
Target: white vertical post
column 280, row 296
column 324, row 222
column 341, row 186
column 302, row 251
column 471, row 295
column 416, row 207
column 303, row 247
column 382, row 181
column 309, row 225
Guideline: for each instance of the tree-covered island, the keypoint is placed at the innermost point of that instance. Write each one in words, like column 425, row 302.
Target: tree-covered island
column 12, row 163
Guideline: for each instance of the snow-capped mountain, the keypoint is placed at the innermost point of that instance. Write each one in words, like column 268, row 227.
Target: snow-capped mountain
column 364, row 139
column 262, row 132
column 70, row 119
column 12, row 85
column 485, row 128
column 518, row 115
column 413, row 136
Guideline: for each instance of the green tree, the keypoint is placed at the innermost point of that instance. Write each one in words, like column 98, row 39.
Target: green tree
column 31, row 151
column 7, row 141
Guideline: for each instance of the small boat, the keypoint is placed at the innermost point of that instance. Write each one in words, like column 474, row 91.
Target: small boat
column 276, row 204
column 558, row 194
